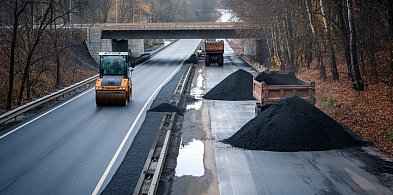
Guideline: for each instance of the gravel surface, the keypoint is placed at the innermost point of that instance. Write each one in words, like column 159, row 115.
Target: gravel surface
column 291, row 125
column 166, row 107
column 235, row 87
column 127, row 175
column 276, row 78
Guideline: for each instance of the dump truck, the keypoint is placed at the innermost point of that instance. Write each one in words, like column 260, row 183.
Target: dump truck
column 270, row 87
column 114, row 85
column 214, row 51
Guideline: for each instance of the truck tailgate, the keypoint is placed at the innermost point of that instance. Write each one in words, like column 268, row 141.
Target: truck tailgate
column 270, row 94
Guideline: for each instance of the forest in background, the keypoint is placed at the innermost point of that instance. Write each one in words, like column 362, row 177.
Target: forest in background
column 345, row 46
column 42, row 53
column 155, row 11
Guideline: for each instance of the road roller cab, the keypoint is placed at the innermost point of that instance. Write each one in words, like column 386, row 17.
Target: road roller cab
column 114, row 85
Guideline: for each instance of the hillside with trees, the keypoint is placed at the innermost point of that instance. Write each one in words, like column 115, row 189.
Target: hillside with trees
column 39, row 53
column 39, row 48
column 103, row 11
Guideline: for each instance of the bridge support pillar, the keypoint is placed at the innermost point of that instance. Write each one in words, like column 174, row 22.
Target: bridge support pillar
column 96, row 44
column 135, row 46
column 255, row 48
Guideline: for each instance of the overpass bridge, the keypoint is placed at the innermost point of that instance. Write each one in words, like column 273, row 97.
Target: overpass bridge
column 120, row 36
column 190, row 30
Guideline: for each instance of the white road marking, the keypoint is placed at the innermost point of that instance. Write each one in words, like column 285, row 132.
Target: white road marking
column 112, row 162
column 1, row 137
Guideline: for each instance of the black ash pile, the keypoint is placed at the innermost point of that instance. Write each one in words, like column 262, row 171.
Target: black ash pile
column 235, row 87
column 277, row 78
column 291, row 125
column 165, row 107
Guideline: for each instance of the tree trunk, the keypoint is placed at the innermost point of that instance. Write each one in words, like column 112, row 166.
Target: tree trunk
column 332, row 55
column 26, row 72
column 308, row 56
column 345, row 34
column 333, row 63
column 25, row 78
column 16, row 13
column 321, row 67
column 290, row 41
column 267, row 43
column 370, row 39
column 57, row 56
column 390, row 20
column 391, row 75
column 12, row 57
column 357, row 81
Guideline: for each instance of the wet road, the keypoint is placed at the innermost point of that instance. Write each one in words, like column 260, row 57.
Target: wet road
column 349, row 171
column 73, row 149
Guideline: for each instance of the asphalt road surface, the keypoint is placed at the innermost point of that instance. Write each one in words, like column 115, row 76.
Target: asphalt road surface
column 76, row 148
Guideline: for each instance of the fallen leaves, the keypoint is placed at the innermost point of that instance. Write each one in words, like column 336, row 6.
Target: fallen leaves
column 368, row 113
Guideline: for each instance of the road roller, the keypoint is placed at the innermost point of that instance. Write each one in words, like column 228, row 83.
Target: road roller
column 114, row 85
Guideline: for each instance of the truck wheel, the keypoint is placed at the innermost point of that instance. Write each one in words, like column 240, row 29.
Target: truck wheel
column 125, row 100
column 258, row 109
column 207, row 60
column 221, row 60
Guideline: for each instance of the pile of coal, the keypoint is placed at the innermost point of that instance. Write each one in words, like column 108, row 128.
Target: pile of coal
column 279, row 78
column 165, row 107
column 291, row 125
column 235, row 87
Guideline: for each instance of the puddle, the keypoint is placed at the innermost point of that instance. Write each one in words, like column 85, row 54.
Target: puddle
column 190, row 159
column 197, row 92
column 195, row 105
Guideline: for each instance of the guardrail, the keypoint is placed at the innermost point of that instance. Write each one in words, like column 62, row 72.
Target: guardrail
column 13, row 114
column 150, row 177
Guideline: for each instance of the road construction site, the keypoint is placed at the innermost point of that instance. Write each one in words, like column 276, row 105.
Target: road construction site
column 206, row 165
column 209, row 143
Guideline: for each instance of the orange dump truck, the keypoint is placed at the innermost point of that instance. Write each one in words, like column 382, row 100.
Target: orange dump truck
column 271, row 87
column 214, row 52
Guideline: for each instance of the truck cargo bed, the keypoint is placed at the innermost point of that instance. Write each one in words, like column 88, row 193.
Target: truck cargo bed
column 271, row 87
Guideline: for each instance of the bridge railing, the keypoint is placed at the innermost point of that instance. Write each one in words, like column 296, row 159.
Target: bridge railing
column 175, row 26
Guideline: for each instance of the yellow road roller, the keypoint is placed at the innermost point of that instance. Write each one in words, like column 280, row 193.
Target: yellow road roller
column 114, row 85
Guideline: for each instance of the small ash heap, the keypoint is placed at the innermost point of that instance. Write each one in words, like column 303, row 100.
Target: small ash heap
column 165, row 107
column 278, row 78
column 235, row 87
column 292, row 125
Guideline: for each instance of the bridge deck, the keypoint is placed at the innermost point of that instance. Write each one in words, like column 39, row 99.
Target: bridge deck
column 189, row 30
column 176, row 26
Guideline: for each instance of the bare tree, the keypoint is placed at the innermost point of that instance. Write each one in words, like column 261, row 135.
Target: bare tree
column 332, row 54
column 357, row 81
column 17, row 9
column 314, row 29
